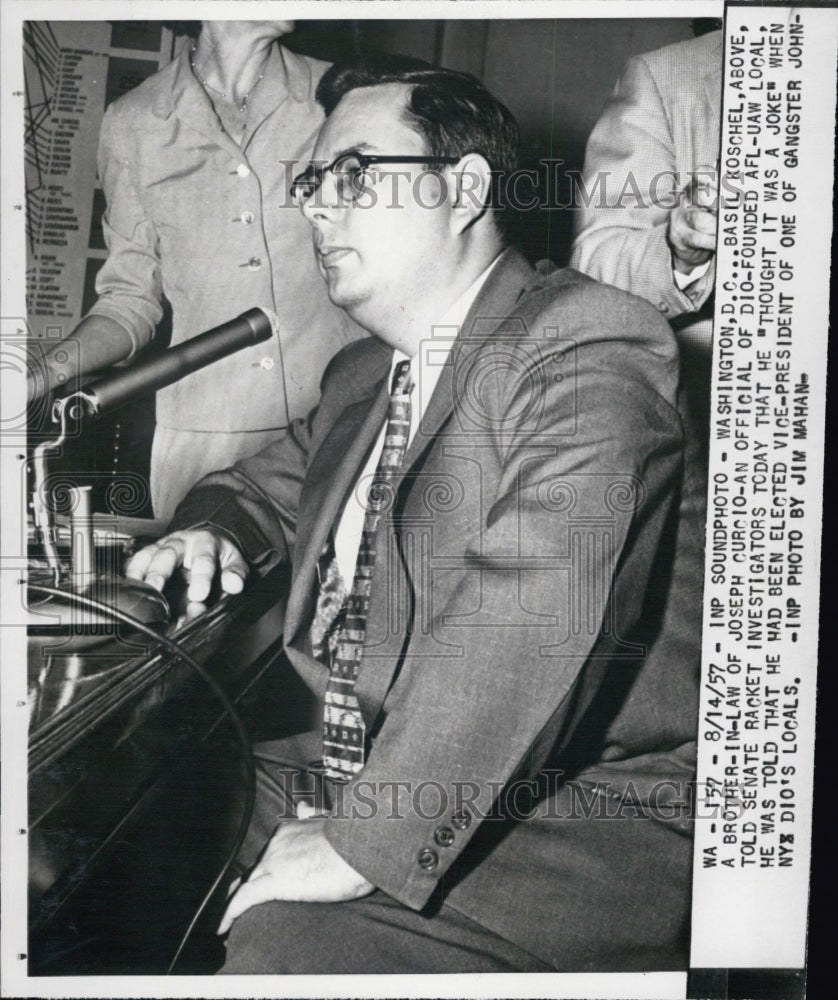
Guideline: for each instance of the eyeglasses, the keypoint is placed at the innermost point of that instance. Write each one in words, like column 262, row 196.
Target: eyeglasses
column 349, row 171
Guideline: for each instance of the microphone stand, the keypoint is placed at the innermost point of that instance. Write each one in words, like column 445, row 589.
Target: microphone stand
column 44, row 522
column 138, row 599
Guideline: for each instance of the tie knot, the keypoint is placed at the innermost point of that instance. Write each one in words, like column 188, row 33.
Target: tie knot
column 402, row 382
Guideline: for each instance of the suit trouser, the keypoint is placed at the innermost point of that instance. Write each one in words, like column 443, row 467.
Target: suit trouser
column 375, row 934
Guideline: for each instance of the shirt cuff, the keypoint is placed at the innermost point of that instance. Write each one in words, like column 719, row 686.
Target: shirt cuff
column 683, row 281
column 218, row 507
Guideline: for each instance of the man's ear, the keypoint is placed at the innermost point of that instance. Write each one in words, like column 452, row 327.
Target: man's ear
column 472, row 191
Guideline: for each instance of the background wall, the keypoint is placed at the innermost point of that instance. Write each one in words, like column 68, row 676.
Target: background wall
column 554, row 75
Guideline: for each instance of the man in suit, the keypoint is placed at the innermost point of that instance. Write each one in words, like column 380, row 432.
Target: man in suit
column 506, row 700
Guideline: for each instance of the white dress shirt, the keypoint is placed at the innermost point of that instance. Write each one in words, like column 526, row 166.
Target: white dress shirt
column 425, row 367
column 683, row 281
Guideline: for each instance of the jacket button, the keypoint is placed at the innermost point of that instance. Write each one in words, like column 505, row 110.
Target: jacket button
column 460, row 820
column 243, row 170
column 444, row 836
column 254, row 263
column 428, row 859
column 267, row 364
column 247, row 218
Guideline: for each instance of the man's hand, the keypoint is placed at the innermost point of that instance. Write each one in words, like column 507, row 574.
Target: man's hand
column 298, row 864
column 691, row 230
column 201, row 553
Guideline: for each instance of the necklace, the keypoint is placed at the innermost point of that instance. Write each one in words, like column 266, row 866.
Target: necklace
column 209, row 86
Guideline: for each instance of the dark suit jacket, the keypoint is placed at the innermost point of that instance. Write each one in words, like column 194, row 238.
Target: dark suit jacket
column 535, row 609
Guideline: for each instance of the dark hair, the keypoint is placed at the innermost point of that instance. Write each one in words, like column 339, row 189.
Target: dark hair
column 189, row 28
column 704, row 25
column 453, row 112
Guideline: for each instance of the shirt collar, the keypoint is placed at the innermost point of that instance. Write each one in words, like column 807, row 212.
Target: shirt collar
column 427, row 364
column 456, row 313
column 297, row 72
column 286, row 73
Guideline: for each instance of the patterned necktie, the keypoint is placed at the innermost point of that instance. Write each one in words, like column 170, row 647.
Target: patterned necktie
column 343, row 724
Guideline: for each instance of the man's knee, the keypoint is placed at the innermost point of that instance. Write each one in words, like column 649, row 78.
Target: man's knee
column 250, row 948
column 272, row 939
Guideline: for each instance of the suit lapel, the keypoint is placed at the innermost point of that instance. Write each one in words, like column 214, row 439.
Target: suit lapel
column 492, row 306
column 339, row 460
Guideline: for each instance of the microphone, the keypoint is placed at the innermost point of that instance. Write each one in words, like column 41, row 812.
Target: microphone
column 252, row 327
column 143, row 602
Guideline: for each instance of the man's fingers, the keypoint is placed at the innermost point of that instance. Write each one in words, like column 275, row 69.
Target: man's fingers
column 703, row 189
column 232, row 581
column 699, row 220
column 156, row 563
column 138, row 563
column 686, row 223
column 193, row 610
column 706, row 185
column 217, row 555
column 707, row 198
column 201, row 560
column 692, row 235
column 233, row 568
column 164, row 562
column 206, row 555
column 307, row 811
column 699, row 239
column 257, row 890
column 201, row 553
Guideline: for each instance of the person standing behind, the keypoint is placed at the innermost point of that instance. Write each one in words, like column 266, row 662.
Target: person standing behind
column 663, row 123
column 660, row 130
column 195, row 164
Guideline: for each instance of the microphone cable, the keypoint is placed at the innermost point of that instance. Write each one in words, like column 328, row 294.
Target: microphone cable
column 229, row 710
